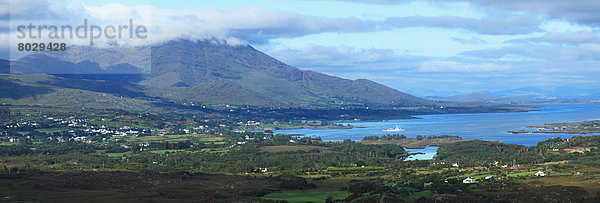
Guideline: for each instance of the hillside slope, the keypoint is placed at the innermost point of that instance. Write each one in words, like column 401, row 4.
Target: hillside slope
column 212, row 73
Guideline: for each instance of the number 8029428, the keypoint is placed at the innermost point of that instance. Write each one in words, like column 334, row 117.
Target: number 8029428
column 42, row 46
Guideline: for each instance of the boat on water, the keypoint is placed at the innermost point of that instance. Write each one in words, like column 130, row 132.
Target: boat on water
column 396, row 129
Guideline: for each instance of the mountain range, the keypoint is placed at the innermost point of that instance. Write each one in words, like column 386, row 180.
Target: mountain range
column 184, row 71
column 486, row 98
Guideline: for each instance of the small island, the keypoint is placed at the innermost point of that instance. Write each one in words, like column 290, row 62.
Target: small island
column 411, row 143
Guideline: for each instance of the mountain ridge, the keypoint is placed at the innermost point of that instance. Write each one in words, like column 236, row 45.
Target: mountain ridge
column 477, row 97
column 177, row 68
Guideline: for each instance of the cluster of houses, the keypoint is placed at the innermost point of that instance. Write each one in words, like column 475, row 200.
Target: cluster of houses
column 82, row 139
column 553, row 128
column 554, row 149
column 247, row 138
column 252, row 123
column 72, row 123
column 495, row 163
column 75, row 122
column 259, row 170
column 12, row 139
column 23, row 124
column 470, row 180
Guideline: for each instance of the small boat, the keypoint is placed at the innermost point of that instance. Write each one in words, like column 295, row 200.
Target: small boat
column 396, row 129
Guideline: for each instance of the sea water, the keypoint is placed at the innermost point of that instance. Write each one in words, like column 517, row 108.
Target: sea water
column 481, row 126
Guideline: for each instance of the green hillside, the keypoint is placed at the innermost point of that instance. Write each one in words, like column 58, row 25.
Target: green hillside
column 210, row 73
column 13, row 90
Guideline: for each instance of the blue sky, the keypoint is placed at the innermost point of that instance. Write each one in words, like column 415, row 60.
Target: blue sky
column 421, row 47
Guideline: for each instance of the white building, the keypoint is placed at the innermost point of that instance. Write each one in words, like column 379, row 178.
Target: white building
column 469, row 180
column 540, row 173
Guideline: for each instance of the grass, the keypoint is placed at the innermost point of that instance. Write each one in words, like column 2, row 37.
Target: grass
column 173, row 138
column 553, row 163
column 315, row 176
column 587, row 183
column 54, row 130
column 417, row 195
column 166, row 151
column 521, row 174
column 122, row 154
column 306, row 196
column 217, row 150
column 483, row 176
column 333, row 168
column 291, row 148
column 118, row 124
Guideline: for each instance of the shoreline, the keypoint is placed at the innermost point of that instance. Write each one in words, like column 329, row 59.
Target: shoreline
column 314, row 128
column 581, row 127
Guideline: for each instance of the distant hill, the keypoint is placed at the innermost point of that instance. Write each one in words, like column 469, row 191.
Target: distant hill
column 209, row 73
column 552, row 92
column 30, row 90
column 473, row 97
column 485, row 98
column 4, row 66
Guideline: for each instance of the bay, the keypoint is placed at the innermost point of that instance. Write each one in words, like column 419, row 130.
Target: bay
column 481, row 126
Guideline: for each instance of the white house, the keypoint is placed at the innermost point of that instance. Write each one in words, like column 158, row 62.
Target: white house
column 469, row 180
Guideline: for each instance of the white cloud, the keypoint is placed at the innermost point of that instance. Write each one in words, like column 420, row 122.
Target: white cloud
column 578, row 11
column 453, row 66
column 564, row 38
column 500, row 25
column 543, row 52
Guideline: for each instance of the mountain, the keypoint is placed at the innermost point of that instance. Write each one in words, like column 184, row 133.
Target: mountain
column 485, row 98
column 425, row 92
column 473, row 97
column 551, row 92
column 209, row 73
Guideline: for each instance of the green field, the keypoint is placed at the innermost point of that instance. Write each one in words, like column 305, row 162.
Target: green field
column 167, row 151
column 520, row 174
column 366, row 168
column 417, row 195
column 118, row 124
column 54, row 130
column 122, row 154
column 306, row 196
column 482, row 176
column 217, row 150
column 173, row 138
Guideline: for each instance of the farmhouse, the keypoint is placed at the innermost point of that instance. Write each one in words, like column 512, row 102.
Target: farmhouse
column 469, row 180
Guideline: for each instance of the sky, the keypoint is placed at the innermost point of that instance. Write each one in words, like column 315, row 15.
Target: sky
column 421, row 47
